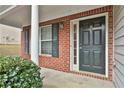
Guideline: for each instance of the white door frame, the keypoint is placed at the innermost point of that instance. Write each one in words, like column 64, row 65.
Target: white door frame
column 75, row 67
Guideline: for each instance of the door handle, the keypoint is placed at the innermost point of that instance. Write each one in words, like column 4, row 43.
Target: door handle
column 80, row 47
column 114, row 64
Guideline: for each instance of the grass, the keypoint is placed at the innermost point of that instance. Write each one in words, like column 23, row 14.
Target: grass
column 9, row 50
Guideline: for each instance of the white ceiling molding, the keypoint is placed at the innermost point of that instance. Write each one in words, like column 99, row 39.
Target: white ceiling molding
column 8, row 9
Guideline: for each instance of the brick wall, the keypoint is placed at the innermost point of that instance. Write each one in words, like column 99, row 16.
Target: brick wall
column 23, row 55
column 62, row 63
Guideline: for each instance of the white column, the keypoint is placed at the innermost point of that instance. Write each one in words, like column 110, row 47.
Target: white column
column 34, row 34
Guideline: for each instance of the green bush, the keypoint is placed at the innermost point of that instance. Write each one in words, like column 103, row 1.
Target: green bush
column 16, row 72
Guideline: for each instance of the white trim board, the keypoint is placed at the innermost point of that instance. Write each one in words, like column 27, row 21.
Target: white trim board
column 74, row 67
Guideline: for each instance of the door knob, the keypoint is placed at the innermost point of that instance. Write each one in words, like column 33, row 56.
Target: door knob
column 80, row 47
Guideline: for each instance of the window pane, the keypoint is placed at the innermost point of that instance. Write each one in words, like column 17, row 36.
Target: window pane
column 46, row 33
column 26, row 42
column 46, row 47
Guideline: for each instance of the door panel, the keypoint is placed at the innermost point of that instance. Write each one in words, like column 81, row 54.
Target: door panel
column 97, row 37
column 86, row 54
column 96, row 58
column 92, row 45
column 86, row 37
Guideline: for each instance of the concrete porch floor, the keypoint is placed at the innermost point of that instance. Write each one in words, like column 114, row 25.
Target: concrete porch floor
column 57, row 79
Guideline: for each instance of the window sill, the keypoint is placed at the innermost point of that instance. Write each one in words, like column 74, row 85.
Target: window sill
column 47, row 55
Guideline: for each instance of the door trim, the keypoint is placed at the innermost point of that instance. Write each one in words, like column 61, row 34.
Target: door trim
column 75, row 67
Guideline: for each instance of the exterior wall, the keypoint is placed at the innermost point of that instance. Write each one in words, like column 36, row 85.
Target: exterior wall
column 118, row 72
column 62, row 63
column 13, row 35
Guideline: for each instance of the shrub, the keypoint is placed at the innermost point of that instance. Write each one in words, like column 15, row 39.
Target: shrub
column 19, row 73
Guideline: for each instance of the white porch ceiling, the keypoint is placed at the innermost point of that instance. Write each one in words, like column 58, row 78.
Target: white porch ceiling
column 17, row 17
column 3, row 8
column 20, row 15
column 48, row 12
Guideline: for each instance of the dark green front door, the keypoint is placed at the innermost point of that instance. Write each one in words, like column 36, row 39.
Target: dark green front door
column 92, row 45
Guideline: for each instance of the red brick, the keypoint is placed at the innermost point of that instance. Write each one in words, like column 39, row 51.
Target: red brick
column 62, row 63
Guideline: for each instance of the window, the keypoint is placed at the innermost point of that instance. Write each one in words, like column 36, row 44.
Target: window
column 49, row 40
column 46, row 40
column 26, row 42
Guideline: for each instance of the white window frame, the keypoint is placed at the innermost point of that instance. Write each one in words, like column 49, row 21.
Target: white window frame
column 40, row 53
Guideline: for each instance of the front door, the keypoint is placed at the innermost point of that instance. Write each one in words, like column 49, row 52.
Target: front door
column 92, row 45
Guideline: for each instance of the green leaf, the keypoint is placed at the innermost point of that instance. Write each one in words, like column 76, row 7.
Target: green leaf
column 16, row 72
